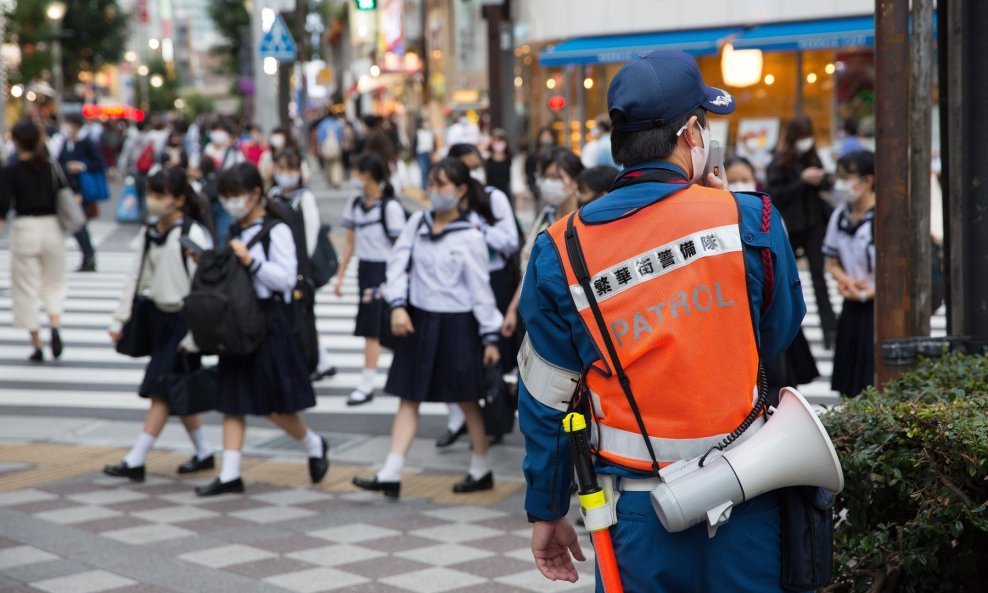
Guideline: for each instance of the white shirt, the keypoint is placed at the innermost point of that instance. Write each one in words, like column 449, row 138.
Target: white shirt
column 372, row 243
column 463, row 133
column 224, row 157
column 501, row 237
column 449, row 272
column 167, row 276
column 275, row 271
column 310, row 216
column 852, row 245
column 425, row 141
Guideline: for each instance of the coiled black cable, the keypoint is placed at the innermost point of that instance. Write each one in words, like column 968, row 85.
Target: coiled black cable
column 761, row 404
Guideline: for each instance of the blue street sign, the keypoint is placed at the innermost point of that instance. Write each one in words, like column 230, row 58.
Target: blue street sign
column 278, row 43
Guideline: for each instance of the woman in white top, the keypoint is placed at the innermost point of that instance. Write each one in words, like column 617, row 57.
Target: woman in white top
column 849, row 248
column 373, row 222
column 272, row 381
column 161, row 279
column 445, row 312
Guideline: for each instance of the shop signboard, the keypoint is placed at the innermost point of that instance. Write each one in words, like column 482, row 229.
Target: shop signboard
column 756, row 140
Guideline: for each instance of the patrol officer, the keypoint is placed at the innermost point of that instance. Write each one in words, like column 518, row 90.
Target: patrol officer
column 680, row 289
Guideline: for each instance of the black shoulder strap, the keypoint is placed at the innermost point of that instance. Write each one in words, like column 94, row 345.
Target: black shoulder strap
column 578, row 262
column 186, row 227
column 384, row 218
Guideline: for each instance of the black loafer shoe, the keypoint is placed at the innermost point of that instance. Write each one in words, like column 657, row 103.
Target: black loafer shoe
column 56, row 344
column 87, row 265
column 38, row 356
column 320, row 375
column 318, row 466
column 470, row 485
column 216, row 488
column 390, row 489
column 359, row 398
column 449, row 437
column 122, row 470
column 197, row 465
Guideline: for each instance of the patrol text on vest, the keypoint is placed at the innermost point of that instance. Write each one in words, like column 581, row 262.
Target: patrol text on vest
column 681, row 304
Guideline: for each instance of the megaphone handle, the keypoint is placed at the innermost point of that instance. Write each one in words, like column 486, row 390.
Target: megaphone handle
column 603, row 547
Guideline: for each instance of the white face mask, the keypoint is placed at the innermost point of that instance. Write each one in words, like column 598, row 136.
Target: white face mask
column 236, row 206
column 553, row 191
column 287, row 180
column 443, row 201
column 699, row 155
column 219, row 137
column 845, row 193
column 805, row 145
column 277, row 142
column 596, row 133
column 480, row 175
column 159, row 208
column 742, row 186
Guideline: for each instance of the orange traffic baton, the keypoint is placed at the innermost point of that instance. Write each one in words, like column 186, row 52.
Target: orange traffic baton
column 596, row 512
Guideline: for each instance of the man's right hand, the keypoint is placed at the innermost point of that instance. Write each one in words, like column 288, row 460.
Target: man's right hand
column 554, row 545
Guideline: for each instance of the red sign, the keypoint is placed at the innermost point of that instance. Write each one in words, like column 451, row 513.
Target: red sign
column 91, row 111
column 557, row 103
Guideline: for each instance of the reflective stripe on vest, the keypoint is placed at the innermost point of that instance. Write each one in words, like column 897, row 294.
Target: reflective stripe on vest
column 671, row 285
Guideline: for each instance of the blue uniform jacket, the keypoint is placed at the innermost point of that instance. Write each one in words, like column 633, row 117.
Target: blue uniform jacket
column 557, row 332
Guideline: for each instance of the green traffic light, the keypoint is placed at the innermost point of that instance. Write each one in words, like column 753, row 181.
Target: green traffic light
column 366, row 4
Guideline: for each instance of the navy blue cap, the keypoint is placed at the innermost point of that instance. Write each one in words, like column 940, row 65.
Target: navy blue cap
column 658, row 88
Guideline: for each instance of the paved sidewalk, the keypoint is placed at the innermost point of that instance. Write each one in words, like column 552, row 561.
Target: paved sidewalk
column 66, row 528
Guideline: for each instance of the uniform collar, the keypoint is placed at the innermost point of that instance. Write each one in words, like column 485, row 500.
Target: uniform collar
column 623, row 200
column 460, row 223
column 845, row 225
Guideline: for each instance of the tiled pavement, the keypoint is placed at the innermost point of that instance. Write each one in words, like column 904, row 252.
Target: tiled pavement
column 88, row 533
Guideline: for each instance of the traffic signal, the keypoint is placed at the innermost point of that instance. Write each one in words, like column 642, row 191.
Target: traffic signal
column 366, row 4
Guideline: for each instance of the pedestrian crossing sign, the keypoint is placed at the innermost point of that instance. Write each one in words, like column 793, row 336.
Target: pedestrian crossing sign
column 278, row 43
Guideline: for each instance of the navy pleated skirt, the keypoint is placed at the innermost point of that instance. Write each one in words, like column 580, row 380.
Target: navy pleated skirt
column 442, row 361
column 271, row 380
column 167, row 331
column 370, row 276
column 854, row 348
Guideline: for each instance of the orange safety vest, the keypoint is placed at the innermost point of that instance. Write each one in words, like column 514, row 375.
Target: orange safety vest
column 670, row 283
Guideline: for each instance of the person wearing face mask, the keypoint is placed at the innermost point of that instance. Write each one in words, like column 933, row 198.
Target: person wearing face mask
column 657, row 293
column 223, row 155
column 162, row 275
column 273, row 380
column 849, row 247
column 254, row 146
column 174, row 154
column 497, row 166
column 80, row 155
column 373, row 220
column 445, row 311
column 545, row 141
column 291, row 190
column 281, row 141
column 795, row 179
column 495, row 217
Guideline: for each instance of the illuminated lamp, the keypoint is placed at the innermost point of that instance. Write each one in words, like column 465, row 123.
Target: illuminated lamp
column 557, row 103
column 741, row 68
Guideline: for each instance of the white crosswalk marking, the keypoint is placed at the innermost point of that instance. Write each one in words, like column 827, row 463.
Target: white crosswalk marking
column 92, row 375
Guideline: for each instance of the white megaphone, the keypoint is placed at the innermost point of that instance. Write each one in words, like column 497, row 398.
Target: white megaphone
column 791, row 449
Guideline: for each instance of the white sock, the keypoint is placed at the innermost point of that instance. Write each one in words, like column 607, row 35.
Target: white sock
column 231, row 466
column 324, row 362
column 312, row 443
column 139, row 452
column 480, row 465
column 367, row 380
column 198, row 437
column 391, row 472
column 456, row 418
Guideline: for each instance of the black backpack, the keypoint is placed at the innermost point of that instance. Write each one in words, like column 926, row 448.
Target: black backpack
column 303, row 305
column 221, row 309
column 323, row 265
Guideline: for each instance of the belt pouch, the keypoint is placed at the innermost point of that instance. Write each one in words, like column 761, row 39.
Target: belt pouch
column 807, row 537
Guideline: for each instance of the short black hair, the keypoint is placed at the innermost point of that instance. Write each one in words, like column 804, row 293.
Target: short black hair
column 565, row 161
column 462, row 149
column 74, row 119
column 597, row 180
column 859, row 162
column 851, row 126
column 238, row 179
column 739, row 160
column 634, row 148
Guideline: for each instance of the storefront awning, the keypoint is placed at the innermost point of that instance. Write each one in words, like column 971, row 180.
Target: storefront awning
column 624, row 48
column 809, row 35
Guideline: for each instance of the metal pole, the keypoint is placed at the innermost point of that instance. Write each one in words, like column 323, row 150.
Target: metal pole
column 4, row 86
column 893, row 304
column 265, row 107
column 57, row 72
column 920, row 139
column 949, row 35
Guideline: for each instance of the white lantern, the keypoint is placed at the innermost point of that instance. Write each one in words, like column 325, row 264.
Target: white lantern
column 741, row 68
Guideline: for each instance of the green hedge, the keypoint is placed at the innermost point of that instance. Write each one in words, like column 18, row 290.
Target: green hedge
column 914, row 512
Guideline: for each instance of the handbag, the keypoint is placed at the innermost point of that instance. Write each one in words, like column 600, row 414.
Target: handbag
column 135, row 337
column 192, row 391
column 92, row 185
column 323, row 264
column 70, row 214
column 499, row 406
column 128, row 208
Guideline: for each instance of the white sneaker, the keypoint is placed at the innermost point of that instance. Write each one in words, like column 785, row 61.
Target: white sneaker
column 358, row 397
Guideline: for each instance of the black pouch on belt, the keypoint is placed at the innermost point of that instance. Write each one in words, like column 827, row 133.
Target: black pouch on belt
column 807, row 537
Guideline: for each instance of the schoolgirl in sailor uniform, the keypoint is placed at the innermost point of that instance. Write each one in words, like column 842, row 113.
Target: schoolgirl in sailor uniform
column 849, row 247
column 445, row 310
column 373, row 221
column 165, row 273
column 273, row 380
column 491, row 212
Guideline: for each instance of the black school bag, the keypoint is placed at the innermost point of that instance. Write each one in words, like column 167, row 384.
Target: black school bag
column 323, row 265
column 222, row 309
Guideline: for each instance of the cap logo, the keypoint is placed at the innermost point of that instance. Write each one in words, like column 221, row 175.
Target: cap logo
column 723, row 100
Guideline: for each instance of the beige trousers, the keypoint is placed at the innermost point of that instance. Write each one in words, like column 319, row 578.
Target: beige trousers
column 37, row 269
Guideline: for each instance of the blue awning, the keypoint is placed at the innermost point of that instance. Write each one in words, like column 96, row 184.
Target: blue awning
column 624, row 48
column 810, row 35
